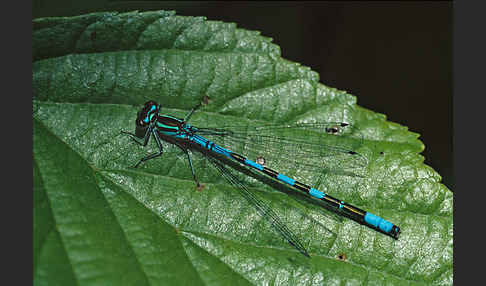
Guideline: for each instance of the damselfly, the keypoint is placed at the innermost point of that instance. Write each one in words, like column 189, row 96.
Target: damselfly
column 150, row 123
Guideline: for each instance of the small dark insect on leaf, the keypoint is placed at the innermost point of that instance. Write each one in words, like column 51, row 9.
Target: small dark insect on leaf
column 342, row 256
column 335, row 129
column 260, row 160
column 381, row 153
column 332, row 130
column 200, row 187
column 205, row 100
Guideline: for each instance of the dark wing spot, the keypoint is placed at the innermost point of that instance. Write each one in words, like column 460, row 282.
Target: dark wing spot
column 332, row 130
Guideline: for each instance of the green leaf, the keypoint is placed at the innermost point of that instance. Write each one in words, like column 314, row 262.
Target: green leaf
column 98, row 221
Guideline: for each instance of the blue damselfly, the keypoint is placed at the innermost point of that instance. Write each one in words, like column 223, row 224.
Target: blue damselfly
column 320, row 154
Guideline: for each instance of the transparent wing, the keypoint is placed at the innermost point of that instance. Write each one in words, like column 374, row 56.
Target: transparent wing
column 325, row 146
column 263, row 209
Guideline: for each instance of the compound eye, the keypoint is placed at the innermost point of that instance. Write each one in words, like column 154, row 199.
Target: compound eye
column 141, row 122
column 142, row 119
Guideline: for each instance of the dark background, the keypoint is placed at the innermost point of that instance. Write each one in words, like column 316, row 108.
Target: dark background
column 396, row 57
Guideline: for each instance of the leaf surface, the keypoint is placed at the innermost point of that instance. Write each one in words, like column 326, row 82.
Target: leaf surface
column 98, row 221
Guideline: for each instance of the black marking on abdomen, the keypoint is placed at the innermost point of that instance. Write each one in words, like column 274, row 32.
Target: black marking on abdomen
column 270, row 172
column 238, row 157
column 301, row 186
column 331, row 200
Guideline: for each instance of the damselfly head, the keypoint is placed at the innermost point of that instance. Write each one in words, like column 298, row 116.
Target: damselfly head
column 148, row 113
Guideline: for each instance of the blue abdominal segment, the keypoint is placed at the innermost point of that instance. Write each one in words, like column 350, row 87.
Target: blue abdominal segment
column 253, row 164
column 316, row 193
column 205, row 143
column 378, row 222
column 285, row 179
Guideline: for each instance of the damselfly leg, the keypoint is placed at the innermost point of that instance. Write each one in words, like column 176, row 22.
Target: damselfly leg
column 188, row 116
column 154, row 155
column 146, row 138
column 189, row 158
column 204, row 101
column 188, row 152
column 135, row 138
